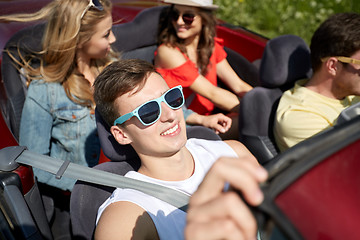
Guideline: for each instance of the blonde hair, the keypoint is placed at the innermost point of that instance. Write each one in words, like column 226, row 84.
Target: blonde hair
column 65, row 30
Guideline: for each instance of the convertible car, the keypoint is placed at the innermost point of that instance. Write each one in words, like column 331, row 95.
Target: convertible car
column 313, row 189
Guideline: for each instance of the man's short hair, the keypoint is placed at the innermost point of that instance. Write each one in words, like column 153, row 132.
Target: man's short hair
column 339, row 35
column 116, row 79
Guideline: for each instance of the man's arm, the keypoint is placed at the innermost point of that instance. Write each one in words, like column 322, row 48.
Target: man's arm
column 214, row 214
column 125, row 220
column 241, row 151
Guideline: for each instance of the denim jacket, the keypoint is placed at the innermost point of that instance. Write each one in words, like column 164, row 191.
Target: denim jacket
column 52, row 124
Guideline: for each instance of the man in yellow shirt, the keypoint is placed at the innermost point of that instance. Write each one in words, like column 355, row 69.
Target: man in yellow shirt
column 314, row 104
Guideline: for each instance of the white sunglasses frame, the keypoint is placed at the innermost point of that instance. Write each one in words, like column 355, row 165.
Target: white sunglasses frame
column 135, row 113
column 92, row 4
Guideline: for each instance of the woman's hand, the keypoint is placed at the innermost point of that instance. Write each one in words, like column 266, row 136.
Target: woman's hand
column 220, row 123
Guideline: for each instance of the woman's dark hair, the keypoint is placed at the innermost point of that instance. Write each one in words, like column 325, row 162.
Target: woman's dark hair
column 168, row 36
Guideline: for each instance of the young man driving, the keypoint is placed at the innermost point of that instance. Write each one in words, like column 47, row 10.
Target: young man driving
column 142, row 111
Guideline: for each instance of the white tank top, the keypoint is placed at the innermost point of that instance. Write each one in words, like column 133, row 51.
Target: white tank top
column 170, row 221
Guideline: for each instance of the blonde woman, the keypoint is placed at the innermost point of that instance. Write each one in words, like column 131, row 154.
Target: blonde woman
column 58, row 115
column 190, row 55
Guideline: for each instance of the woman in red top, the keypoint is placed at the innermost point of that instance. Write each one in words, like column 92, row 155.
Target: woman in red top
column 190, row 55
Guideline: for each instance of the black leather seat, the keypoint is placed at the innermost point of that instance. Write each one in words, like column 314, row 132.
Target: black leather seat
column 138, row 38
column 26, row 42
column 285, row 60
column 86, row 198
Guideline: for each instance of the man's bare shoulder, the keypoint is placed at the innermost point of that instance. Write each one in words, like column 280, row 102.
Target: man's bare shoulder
column 125, row 220
column 240, row 149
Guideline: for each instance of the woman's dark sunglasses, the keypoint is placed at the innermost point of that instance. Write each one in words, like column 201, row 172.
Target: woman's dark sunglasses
column 188, row 18
column 92, row 3
column 149, row 112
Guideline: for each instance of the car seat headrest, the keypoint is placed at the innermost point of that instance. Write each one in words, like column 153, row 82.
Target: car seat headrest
column 286, row 59
column 141, row 31
column 112, row 149
column 27, row 39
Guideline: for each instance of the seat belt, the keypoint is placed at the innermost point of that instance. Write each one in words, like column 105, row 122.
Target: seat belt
column 59, row 168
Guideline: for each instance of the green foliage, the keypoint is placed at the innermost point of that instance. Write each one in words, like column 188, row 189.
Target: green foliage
column 272, row 18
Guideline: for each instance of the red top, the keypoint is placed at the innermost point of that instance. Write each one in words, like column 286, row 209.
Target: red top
column 186, row 74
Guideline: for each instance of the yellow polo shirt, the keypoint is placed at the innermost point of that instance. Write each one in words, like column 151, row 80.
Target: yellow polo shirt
column 303, row 113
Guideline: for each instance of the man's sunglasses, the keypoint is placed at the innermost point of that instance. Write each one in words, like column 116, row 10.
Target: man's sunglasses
column 149, row 112
column 344, row 60
column 92, row 3
column 188, row 18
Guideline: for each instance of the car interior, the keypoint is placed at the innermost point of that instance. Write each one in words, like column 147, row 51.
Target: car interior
column 24, row 43
column 134, row 45
column 22, row 214
column 285, row 60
